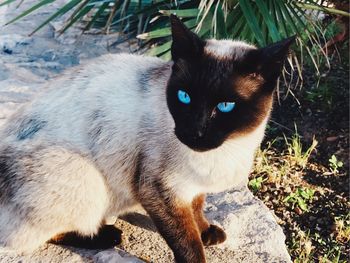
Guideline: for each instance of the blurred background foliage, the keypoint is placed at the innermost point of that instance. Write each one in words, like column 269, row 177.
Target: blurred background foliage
column 257, row 21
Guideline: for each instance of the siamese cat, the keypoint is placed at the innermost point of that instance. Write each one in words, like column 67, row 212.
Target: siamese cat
column 128, row 130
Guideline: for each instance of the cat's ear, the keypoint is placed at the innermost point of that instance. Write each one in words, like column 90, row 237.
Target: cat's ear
column 186, row 44
column 273, row 58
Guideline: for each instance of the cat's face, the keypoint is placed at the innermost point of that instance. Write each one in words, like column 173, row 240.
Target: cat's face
column 220, row 89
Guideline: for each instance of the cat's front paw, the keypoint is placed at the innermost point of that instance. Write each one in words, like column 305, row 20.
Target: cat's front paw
column 213, row 235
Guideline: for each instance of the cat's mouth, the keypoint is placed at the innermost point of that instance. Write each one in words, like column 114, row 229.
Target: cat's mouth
column 195, row 143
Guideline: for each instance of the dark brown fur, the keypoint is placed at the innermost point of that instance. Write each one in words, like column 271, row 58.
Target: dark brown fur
column 107, row 237
column 176, row 223
column 210, row 234
column 182, row 225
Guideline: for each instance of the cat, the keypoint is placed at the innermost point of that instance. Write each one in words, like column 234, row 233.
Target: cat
column 128, row 130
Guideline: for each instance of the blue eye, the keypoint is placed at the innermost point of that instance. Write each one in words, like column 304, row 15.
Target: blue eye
column 226, row 106
column 183, row 97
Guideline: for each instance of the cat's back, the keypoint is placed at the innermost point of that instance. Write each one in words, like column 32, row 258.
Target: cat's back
column 107, row 92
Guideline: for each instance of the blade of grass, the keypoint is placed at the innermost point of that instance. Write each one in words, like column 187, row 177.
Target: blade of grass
column 77, row 9
column 79, row 15
column 97, row 14
column 116, row 6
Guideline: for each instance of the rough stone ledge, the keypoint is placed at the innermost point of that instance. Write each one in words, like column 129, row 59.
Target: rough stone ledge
column 253, row 236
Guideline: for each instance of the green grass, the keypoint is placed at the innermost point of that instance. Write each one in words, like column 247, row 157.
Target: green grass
column 278, row 180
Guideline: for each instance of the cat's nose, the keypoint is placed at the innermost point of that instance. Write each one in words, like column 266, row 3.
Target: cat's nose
column 197, row 135
column 200, row 134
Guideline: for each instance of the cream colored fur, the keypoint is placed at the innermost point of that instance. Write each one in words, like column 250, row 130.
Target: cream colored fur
column 77, row 168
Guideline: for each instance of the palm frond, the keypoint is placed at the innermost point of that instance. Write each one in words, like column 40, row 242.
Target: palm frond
column 258, row 21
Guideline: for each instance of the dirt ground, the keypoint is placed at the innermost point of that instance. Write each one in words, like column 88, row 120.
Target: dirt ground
column 319, row 110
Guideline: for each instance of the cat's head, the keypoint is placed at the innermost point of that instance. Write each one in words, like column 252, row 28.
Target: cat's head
column 220, row 89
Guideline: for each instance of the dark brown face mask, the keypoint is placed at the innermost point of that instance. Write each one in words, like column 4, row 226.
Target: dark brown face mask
column 212, row 98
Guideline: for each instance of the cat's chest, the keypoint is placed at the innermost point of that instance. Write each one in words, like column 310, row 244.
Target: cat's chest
column 212, row 172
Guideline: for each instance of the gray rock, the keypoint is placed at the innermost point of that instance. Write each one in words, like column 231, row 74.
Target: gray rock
column 115, row 256
column 250, row 226
column 56, row 254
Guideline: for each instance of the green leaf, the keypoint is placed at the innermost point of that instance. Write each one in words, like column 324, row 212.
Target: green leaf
column 235, row 33
column 165, row 31
column 181, row 13
column 280, row 19
column 288, row 18
column 159, row 49
column 206, row 25
column 67, row 7
column 156, row 33
column 232, row 18
column 252, row 22
column 302, row 204
column 221, row 25
column 268, row 20
column 166, row 56
column 7, row 2
column 288, row 198
column 30, row 10
column 79, row 15
column 304, row 194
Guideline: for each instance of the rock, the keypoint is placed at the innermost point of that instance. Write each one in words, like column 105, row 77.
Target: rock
column 252, row 231
column 57, row 254
column 11, row 43
column 25, row 65
column 115, row 255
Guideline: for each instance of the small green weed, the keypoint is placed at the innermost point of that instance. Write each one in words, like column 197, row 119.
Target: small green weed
column 342, row 225
column 300, row 197
column 271, row 168
column 295, row 150
column 255, row 183
column 302, row 245
column 334, row 164
column 322, row 94
column 332, row 256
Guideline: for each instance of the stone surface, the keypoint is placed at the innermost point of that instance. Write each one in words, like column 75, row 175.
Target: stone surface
column 25, row 65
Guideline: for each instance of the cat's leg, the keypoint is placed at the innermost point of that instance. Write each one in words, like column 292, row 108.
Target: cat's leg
column 20, row 234
column 175, row 221
column 47, row 191
column 210, row 234
column 108, row 236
